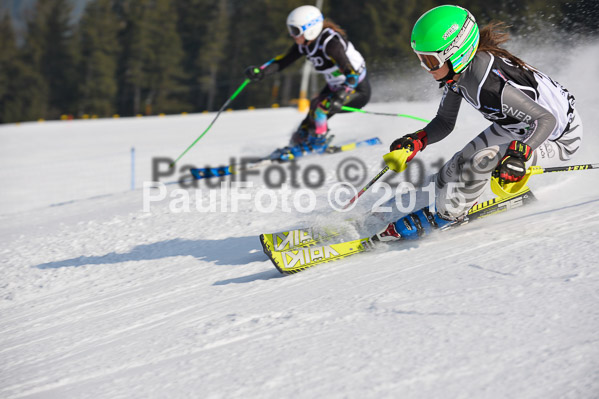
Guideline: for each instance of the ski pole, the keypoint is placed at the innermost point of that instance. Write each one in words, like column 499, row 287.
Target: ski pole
column 245, row 83
column 395, row 160
column 351, row 109
column 367, row 186
column 508, row 189
column 570, row 168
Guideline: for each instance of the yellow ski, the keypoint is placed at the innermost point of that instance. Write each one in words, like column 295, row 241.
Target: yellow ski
column 298, row 238
column 297, row 259
column 295, row 250
column 500, row 205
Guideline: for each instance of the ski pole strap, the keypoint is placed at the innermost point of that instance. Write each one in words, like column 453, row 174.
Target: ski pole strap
column 245, row 83
column 367, row 186
column 351, row 109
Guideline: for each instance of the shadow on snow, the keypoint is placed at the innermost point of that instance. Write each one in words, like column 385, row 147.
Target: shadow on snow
column 229, row 251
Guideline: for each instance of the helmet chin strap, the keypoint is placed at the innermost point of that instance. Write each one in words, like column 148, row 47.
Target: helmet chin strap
column 449, row 76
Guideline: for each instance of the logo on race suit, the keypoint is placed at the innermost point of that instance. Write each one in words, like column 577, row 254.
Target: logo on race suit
column 550, row 151
column 450, row 169
column 499, row 73
column 572, row 101
column 542, row 152
column 516, row 113
column 491, row 108
column 450, row 31
column 317, row 61
column 546, row 151
column 301, row 257
column 294, row 238
column 485, row 160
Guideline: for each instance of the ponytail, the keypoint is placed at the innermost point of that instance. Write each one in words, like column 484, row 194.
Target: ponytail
column 330, row 24
column 492, row 36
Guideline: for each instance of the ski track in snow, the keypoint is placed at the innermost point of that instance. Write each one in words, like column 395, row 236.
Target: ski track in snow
column 99, row 299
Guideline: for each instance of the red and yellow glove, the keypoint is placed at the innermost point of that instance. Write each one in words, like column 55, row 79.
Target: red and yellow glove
column 404, row 149
column 414, row 142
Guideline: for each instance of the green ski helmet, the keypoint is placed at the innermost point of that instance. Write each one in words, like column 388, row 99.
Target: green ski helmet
column 445, row 33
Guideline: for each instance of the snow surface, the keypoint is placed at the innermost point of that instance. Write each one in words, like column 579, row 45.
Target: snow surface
column 99, row 299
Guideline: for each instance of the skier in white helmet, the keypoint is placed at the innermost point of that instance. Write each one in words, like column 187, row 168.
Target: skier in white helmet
column 325, row 44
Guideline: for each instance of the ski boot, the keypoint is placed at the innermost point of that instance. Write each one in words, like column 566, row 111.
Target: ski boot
column 300, row 136
column 413, row 226
column 296, row 143
column 306, row 141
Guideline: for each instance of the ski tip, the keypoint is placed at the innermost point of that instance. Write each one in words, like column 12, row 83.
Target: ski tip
column 369, row 142
column 268, row 250
column 264, row 243
column 361, row 143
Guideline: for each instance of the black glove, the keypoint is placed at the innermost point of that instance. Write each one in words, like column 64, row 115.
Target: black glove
column 338, row 99
column 512, row 167
column 254, row 73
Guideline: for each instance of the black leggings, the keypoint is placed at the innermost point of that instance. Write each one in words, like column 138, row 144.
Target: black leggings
column 357, row 99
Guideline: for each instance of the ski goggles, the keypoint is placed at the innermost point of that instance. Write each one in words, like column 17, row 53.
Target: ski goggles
column 294, row 30
column 297, row 31
column 431, row 61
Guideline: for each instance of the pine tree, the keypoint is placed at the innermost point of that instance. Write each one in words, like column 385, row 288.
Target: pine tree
column 192, row 28
column 8, row 56
column 212, row 51
column 165, row 73
column 135, row 46
column 49, row 50
column 99, row 49
column 151, row 63
column 23, row 92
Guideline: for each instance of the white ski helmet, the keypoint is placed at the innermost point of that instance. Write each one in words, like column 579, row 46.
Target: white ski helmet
column 305, row 20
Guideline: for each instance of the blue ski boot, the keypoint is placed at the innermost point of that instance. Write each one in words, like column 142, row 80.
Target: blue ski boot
column 413, row 226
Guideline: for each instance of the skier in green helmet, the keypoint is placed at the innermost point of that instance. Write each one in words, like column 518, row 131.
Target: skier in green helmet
column 533, row 118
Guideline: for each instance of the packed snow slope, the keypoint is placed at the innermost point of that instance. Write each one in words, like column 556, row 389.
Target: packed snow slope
column 100, row 298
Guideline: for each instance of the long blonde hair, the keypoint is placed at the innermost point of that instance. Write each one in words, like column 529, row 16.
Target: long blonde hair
column 328, row 23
